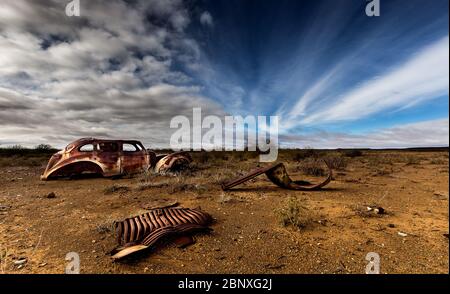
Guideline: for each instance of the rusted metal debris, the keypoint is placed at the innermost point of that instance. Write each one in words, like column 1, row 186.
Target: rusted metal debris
column 376, row 209
column 173, row 162
column 278, row 175
column 146, row 230
column 110, row 158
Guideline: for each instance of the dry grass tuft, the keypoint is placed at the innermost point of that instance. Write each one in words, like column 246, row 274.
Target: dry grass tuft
column 411, row 160
column 438, row 161
column 336, row 162
column 382, row 171
column 352, row 153
column 305, row 153
column 380, row 159
column 312, row 167
column 146, row 186
column 295, row 214
column 105, row 227
column 115, row 189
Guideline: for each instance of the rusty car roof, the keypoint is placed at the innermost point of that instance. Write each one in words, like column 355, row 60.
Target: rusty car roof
column 90, row 139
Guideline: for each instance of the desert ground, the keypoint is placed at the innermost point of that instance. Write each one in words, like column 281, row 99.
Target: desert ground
column 258, row 227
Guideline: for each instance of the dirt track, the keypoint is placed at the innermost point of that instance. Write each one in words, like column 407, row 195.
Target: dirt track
column 247, row 237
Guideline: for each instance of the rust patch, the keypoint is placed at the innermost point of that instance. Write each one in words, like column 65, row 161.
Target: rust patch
column 278, row 175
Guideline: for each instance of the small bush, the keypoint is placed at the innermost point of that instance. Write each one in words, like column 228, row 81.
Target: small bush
column 379, row 159
column 293, row 213
column 146, row 176
column 203, row 157
column 186, row 187
column 312, row 167
column 145, row 186
column 244, row 155
column 412, row 160
column 115, row 188
column 307, row 152
column 43, row 147
column 438, row 161
column 352, row 153
column 383, row 171
column 336, row 162
column 105, row 227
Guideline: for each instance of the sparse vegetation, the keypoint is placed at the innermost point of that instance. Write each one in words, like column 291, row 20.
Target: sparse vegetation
column 17, row 155
column 352, row 153
column 203, row 157
column 295, row 214
column 257, row 214
column 382, row 171
column 44, row 147
column 105, row 227
column 187, row 187
column 412, row 160
column 146, row 176
column 336, row 162
column 304, row 153
column 115, row 188
column 146, row 186
column 312, row 167
column 376, row 160
column 438, row 161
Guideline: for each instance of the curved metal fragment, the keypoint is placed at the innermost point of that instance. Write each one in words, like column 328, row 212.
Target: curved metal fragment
column 173, row 162
column 254, row 173
column 278, row 175
column 144, row 231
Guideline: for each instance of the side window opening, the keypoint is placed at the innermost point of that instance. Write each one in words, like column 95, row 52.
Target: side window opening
column 128, row 147
column 87, row 148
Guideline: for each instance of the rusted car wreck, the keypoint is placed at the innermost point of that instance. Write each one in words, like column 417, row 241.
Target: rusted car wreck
column 110, row 158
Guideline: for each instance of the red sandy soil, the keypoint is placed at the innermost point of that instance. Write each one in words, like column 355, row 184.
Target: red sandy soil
column 248, row 236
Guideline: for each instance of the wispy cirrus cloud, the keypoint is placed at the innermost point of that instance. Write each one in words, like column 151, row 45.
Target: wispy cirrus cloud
column 423, row 77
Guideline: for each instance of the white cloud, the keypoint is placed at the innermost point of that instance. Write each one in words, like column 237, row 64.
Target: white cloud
column 433, row 133
column 108, row 73
column 206, row 19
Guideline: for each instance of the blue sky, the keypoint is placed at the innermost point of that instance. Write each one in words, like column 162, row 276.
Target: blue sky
column 309, row 54
column 333, row 75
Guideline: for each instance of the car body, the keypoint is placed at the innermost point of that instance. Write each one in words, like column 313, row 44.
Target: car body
column 99, row 156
